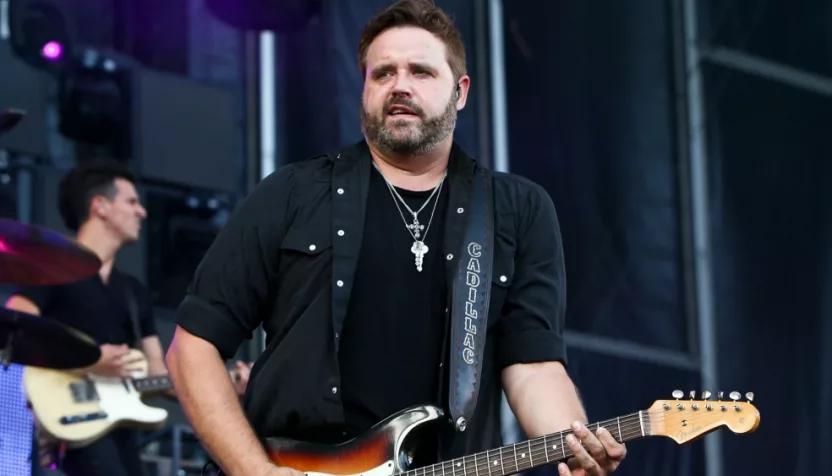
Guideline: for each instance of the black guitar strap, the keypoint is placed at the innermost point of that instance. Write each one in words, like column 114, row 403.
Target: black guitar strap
column 471, row 295
column 133, row 311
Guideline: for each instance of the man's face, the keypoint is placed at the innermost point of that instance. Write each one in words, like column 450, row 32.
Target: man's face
column 410, row 99
column 123, row 214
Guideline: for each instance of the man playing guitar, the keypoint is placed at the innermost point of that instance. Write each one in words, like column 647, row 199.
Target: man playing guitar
column 100, row 203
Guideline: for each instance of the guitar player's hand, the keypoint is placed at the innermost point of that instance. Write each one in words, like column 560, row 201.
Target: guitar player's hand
column 284, row 471
column 113, row 361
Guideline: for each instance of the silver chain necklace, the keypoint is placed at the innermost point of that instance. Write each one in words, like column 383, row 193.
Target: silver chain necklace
column 419, row 247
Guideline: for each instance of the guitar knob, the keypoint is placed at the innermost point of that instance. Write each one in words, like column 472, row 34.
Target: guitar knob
column 750, row 396
column 735, row 395
column 706, row 395
column 693, row 394
column 677, row 394
column 719, row 396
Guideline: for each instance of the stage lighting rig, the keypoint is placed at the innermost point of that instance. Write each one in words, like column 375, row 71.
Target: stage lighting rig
column 94, row 98
column 256, row 15
column 40, row 33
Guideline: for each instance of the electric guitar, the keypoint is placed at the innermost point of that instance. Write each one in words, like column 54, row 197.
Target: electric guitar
column 387, row 448
column 79, row 410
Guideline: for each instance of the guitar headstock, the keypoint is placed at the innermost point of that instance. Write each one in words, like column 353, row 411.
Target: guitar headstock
column 688, row 420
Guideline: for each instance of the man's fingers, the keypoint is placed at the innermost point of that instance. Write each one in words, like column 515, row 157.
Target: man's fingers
column 132, row 360
column 563, row 470
column 583, row 457
column 590, row 442
column 615, row 450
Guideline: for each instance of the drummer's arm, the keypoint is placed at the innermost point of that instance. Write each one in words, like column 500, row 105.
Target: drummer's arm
column 22, row 304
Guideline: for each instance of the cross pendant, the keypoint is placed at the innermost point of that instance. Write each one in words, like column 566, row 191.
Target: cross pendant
column 416, row 227
column 419, row 249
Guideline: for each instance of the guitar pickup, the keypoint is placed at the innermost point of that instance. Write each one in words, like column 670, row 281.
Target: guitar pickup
column 70, row 420
column 83, row 391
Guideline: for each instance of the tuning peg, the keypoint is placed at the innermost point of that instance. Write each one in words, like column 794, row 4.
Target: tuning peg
column 719, row 396
column 706, row 395
column 749, row 396
column 735, row 395
column 677, row 394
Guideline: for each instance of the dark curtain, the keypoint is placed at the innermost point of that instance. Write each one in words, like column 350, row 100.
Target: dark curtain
column 591, row 119
column 591, row 107
column 771, row 174
column 772, row 171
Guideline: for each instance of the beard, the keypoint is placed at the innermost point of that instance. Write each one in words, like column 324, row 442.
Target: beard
column 408, row 136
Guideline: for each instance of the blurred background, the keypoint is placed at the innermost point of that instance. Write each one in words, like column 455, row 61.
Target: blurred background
column 686, row 146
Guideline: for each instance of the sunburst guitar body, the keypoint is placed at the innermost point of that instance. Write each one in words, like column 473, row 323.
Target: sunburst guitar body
column 78, row 410
column 389, row 447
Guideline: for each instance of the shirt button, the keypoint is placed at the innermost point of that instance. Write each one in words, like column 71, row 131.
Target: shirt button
column 503, row 279
column 450, row 256
column 340, row 191
column 339, row 283
column 340, row 232
column 460, row 210
column 334, row 390
column 312, row 247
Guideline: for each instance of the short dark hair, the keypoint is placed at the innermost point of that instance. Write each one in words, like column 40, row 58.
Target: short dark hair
column 422, row 14
column 81, row 184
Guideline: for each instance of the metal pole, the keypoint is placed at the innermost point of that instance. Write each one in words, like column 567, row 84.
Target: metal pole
column 499, row 155
column 499, row 107
column 701, row 229
column 483, row 91
column 268, row 104
column 764, row 68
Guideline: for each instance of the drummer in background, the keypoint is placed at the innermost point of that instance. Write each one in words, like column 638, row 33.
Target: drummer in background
column 100, row 204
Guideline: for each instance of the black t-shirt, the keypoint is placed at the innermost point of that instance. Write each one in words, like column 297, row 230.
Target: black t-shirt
column 97, row 309
column 395, row 321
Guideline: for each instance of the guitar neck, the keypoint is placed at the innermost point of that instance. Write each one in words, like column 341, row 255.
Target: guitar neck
column 152, row 384
column 529, row 454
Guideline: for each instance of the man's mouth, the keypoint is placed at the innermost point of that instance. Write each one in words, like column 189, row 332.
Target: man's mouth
column 398, row 110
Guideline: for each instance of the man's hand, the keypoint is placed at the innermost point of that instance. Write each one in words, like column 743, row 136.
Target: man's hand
column 240, row 376
column 114, row 362
column 595, row 454
column 284, row 471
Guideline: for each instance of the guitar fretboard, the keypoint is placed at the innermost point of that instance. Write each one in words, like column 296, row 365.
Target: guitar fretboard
column 512, row 459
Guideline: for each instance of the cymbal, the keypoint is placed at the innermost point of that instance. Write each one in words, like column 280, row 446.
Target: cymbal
column 9, row 118
column 41, row 342
column 32, row 255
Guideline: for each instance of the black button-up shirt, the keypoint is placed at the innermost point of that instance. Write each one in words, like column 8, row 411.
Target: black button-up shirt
column 286, row 259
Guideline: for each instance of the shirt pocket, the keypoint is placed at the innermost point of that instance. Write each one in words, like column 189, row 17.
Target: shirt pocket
column 307, row 241
column 304, row 272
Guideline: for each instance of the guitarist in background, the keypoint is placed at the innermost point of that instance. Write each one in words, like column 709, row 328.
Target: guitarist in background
column 348, row 259
column 99, row 202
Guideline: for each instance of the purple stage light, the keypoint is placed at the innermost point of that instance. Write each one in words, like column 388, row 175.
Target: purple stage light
column 52, row 51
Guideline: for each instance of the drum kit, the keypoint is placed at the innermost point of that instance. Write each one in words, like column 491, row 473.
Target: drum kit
column 36, row 256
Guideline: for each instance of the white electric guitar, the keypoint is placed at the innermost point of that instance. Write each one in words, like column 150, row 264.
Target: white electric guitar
column 78, row 410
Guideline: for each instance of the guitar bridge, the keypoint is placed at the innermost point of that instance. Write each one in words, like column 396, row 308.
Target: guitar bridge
column 83, row 391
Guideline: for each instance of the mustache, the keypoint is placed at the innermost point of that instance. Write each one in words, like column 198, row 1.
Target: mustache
column 403, row 102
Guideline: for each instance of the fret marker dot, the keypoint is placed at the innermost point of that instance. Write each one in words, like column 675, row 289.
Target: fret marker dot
column 495, row 463
column 522, row 455
column 458, row 464
column 555, row 447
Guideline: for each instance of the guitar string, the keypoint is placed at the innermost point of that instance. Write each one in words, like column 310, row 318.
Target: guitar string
column 631, row 426
column 539, row 448
column 479, row 461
